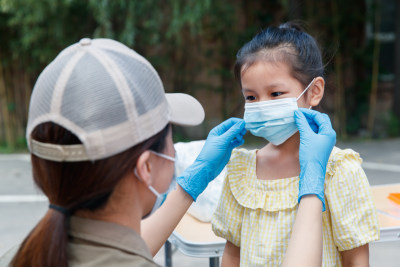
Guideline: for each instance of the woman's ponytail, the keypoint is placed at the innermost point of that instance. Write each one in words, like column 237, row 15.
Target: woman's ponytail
column 46, row 245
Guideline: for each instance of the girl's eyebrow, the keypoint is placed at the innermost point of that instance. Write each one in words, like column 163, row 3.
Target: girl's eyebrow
column 244, row 90
column 269, row 86
column 274, row 85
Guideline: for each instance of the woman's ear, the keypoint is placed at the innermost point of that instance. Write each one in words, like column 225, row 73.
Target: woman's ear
column 317, row 91
column 143, row 168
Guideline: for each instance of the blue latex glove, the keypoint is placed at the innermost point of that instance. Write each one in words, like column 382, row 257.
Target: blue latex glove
column 314, row 152
column 213, row 157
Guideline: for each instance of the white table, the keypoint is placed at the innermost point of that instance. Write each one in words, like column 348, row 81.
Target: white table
column 196, row 239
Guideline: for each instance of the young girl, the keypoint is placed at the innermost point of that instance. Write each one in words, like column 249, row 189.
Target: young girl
column 281, row 70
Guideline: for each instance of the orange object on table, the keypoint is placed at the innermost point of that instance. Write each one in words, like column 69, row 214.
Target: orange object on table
column 388, row 212
column 394, row 197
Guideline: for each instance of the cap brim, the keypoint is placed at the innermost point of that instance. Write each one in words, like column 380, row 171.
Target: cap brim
column 185, row 109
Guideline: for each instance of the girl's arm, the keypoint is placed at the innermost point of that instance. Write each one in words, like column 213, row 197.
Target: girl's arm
column 356, row 257
column 156, row 229
column 305, row 245
column 231, row 256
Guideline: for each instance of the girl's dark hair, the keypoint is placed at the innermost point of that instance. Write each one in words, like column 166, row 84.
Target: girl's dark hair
column 287, row 43
column 74, row 186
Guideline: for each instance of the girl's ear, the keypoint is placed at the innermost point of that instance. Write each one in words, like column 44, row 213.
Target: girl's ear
column 317, row 91
column 143, row 168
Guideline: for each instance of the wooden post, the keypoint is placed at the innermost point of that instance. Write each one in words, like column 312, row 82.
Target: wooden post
column 340, row 107
column 7, row 121
column 396, row 102
column 375, row 72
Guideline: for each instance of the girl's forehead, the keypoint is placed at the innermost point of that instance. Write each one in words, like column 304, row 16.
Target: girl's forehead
column 267, row 68
column 266, row 71
column 265, row 75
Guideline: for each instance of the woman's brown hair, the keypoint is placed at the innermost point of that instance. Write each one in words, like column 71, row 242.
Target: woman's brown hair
column 74, row 186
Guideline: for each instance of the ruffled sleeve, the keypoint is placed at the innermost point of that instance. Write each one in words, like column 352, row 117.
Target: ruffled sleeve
column 227, row 218
column 349, row 198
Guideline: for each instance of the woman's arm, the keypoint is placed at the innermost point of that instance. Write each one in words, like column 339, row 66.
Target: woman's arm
column 305, row 245
column 215, row 154
column 156, row 229
column 356, row 257
column 231, row 256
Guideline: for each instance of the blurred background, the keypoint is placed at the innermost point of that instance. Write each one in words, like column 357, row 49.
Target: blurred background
column 193, row 44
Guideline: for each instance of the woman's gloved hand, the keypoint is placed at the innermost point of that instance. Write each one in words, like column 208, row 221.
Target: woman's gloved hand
column 213, row 157
column 314, row 152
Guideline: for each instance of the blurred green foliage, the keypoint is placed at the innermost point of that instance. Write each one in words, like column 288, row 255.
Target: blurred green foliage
column 393, row 125
column 192, row 44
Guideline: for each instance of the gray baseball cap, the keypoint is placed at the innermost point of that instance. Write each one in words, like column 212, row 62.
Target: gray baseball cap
column 109, row 96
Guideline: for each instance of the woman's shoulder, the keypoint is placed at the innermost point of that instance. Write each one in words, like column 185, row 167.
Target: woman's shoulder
column 340, row 157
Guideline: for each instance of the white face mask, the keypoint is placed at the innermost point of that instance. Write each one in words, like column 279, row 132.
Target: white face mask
column 160, row 197
column 273, row 119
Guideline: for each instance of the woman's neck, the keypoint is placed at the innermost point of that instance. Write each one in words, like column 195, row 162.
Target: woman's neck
column 123, row 207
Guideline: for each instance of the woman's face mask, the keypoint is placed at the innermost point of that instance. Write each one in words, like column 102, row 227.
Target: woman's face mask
column 160, row 197
column 273, row 119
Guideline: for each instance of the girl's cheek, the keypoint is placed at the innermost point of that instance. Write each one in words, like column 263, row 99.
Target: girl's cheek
column 302, row 104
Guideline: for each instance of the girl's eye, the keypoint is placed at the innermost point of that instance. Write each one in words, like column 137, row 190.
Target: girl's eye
column 275, row 94
column 250, row 98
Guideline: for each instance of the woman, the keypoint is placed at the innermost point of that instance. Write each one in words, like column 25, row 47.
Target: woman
column 102, row 152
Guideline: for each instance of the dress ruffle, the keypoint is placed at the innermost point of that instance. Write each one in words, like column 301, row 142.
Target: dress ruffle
column 250, row 192
column 271, row 195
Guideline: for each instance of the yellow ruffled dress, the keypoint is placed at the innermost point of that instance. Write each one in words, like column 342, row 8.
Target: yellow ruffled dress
column 258, row 215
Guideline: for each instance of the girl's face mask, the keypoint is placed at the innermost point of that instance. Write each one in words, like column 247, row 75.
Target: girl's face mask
column 273, row 119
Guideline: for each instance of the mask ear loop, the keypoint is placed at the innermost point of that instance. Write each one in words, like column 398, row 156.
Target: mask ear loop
column 163, row 156
column 305, row 90
column 152, row 189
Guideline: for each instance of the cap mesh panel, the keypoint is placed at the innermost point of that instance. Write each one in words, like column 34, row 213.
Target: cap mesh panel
column 92, row 91
column 47, row 80
column 140, row 77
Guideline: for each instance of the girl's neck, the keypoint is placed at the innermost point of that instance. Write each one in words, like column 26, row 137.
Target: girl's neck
column 276, row 162
column 289, row 147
